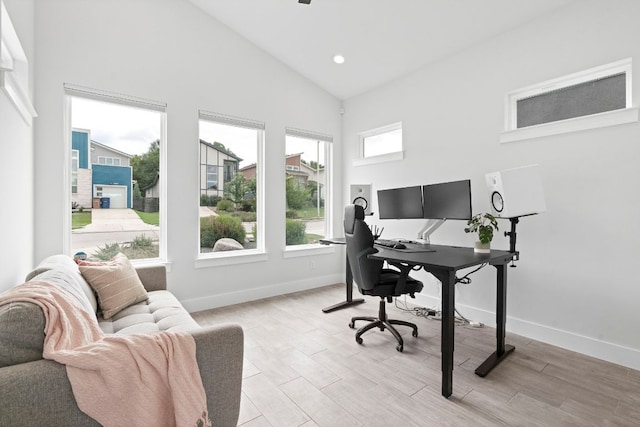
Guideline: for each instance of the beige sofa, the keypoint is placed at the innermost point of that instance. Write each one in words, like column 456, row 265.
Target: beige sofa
column 34, row 391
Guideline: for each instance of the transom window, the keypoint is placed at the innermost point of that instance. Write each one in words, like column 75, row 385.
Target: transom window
column 592, row 98
column 380, row 141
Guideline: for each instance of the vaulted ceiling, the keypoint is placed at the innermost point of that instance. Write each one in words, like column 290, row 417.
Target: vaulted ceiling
column 381, row 40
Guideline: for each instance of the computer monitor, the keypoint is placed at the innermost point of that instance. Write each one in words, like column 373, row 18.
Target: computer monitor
column 400, row 203
column 447, row 200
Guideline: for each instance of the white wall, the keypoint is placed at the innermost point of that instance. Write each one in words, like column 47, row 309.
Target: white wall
column 16, row 173
column 576, row 284
column 168, row 50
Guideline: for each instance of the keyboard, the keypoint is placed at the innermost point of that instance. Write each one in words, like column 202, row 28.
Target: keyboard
column 390, row 244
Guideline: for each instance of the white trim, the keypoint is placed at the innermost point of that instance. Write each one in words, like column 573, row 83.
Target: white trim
column 236, row 297
column 244, row 256
column 297, row 251
column 14, row 68
column 568, row 340
column 593, row 121
column 383, row 158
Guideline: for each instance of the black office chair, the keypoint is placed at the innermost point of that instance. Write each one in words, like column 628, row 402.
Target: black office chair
column 372, row 278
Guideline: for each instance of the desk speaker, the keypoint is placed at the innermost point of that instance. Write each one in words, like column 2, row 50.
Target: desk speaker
column 361, row 195
column 515, row 192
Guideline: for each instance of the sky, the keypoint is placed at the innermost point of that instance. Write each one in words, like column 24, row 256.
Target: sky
column 131, row 130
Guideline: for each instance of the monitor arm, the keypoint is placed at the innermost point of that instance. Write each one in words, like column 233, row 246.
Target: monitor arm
column 429, row 227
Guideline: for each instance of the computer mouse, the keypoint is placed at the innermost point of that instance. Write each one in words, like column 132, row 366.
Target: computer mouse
column 399, row 246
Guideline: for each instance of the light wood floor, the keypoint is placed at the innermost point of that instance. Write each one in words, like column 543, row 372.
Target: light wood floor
column 304, row 368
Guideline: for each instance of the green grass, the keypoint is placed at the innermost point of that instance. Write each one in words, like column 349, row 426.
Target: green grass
column 309, row 213
column 152, row 218
column 313, row 238
column 80, row 219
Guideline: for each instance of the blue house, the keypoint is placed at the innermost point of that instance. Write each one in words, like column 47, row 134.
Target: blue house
column 99, row 171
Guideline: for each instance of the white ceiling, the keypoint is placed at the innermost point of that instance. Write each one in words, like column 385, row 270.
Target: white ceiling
column 381, row 39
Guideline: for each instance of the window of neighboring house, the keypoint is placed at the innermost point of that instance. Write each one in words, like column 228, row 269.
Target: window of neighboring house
column 307, row 170
column 381, row 145
column 112, row 161
column 596, row 97
column 212, row 177
column 231, row 185
column 74, row 172
column 103, row 184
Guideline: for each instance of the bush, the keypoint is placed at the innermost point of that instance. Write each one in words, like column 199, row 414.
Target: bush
column 291, row 214
column 209, row 200
column 108, row 251
column 295, row 232
column 244, row 216
column 226, row 205
column 213, row 228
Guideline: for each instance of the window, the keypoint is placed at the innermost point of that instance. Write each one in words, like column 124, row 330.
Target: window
column 74, row 171
column 306, row 167
column 592, row 98
column 114, row 173
column 380, row 145
column 111, row 161
column 230, row 185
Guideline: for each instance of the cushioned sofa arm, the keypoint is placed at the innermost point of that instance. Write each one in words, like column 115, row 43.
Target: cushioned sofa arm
column 153, row 277
column 39, row 393
column 219, row 350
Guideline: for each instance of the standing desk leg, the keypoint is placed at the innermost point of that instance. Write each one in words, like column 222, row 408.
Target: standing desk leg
column 349, row 285
column 448, row 280
column 502, row 349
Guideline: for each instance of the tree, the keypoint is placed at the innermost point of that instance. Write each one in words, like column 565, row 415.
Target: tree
column 296, row 195
column 146, row 166
column 235, row 189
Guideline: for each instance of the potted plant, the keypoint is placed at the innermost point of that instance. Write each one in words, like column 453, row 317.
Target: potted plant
column 483, row 224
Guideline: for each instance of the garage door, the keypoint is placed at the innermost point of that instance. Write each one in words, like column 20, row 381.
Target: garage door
column 117, row 194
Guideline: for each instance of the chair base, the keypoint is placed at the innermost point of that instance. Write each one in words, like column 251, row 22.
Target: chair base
column 383, row 323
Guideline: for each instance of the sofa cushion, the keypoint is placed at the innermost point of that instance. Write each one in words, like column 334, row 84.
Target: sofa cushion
column 67, row 276
column 116, row 283
column 161, row 312
column 21, row 333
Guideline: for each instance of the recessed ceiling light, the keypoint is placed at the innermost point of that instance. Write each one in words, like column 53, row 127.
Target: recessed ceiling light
column 338, row 59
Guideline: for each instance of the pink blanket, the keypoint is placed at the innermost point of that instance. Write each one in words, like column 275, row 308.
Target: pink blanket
column 118, row 380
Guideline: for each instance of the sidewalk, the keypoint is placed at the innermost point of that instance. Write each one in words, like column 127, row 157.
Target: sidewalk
column 111, row 226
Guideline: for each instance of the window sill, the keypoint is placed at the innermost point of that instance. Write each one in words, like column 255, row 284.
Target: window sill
column 307, row 250
column 390, row 157
column 230, row 258
column 610, row 118
column 151, row 261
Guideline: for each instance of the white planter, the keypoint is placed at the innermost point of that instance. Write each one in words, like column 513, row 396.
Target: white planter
column 482, row 248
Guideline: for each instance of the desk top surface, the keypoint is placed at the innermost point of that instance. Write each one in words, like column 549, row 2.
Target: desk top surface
column 443, row 257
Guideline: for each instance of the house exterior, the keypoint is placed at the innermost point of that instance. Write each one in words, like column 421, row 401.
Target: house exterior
column 99, row 171
column 217, row 167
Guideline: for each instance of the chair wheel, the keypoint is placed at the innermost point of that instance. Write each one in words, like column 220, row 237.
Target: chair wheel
column 400, row 348
column 359, row 340
column 352, row 325
column 415, row 333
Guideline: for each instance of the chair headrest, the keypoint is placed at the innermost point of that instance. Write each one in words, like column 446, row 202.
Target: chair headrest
column 352, row 213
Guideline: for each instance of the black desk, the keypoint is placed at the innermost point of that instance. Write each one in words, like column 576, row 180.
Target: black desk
column 349, row 301
column 443, row 264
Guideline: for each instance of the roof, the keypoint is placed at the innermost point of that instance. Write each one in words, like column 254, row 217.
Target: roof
column 222, row 150
column 106, row 147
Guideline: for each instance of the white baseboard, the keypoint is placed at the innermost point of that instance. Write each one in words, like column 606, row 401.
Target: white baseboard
column 245, row 295
column 610, row 352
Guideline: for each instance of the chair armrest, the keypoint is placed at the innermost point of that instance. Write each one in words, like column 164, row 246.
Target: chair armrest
column 404, row 274
column 39, row 393
column 219, row 351
column 153, row 277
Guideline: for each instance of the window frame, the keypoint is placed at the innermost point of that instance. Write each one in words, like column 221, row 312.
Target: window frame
column 313, row 248
column 609, row 118
column 380, row 158
column 72, row 90
column 212, row 259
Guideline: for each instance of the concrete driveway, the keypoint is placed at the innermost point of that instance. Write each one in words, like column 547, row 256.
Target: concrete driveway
column 111, row 226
